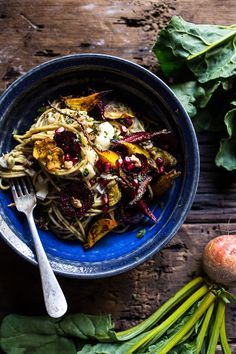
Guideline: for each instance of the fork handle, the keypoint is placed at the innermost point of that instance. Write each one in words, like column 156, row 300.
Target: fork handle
column 54, row 298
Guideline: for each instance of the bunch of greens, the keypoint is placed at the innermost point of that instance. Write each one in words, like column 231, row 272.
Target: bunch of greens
column 200, row 60
column 190, row 322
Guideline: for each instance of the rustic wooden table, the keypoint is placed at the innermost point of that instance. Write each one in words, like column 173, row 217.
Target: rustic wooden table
column 32, row 32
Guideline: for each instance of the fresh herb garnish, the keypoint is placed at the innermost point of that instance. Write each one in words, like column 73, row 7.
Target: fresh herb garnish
column 141, row 233
column 85, row 172
column 69, row 120
column 139, row 177
column 95, row 129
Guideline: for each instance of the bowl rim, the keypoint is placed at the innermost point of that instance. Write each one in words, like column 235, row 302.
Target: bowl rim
column 10, row 95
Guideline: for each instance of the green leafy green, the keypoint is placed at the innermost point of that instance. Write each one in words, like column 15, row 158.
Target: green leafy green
column 194, row 95
column 207, row 50
column 189, row 93
column 201, row 60
column 87, row 326
column 110, row 348
column 226, row 156
column 40, row 335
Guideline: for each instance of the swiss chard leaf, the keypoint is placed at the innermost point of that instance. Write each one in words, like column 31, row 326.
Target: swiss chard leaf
column 207, row 50
column 194, row 96
column 110, row 348
column 87, row 326
column 42, row 335
column 20, row 334
column 205, row 57
column 189, row 93
column 226, row 156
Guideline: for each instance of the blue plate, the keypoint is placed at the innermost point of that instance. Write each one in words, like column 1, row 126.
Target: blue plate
column 115, row 253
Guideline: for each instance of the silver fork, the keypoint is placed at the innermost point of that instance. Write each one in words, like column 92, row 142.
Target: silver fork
column 25, row 201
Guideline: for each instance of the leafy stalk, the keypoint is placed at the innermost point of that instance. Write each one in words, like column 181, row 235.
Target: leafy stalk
column 207, row 301
column 158, row 331
column 216, row 327
column 203, row 331
column 183, row 293
column 223, row 338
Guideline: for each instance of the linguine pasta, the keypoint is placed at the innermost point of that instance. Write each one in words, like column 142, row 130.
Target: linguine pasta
column 92, row 165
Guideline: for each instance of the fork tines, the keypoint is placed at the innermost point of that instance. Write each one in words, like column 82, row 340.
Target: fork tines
column 21, row 186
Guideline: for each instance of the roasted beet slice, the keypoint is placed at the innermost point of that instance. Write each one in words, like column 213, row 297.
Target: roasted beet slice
column 76, row 199
column 145, row 210
column 68, row 142
column 120, row 149
column 141, row 190
column 139, row 137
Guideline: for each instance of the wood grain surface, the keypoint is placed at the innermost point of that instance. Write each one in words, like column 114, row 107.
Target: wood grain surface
column 32, row 32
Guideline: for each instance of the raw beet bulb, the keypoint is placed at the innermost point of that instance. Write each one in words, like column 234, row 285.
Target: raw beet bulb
column 68, row 142
column 75, row 199
column 219, row 259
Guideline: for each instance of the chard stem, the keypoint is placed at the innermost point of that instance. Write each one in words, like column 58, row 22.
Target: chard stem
column 183, row 293
column 158, row 331
column 216, row 327
column 207, row 301
column 223, row 338
column 203, row 332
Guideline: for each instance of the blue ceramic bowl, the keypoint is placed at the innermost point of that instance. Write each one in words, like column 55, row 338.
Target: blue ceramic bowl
column 115, row 253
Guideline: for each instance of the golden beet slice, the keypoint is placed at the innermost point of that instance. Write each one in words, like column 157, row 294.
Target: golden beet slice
column 99, row 229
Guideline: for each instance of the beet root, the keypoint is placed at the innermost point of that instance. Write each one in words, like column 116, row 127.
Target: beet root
column 219, row 260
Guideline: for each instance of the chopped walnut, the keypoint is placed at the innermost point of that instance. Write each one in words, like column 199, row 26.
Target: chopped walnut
column 135, row 161
column 68, row 164
column 76, row 202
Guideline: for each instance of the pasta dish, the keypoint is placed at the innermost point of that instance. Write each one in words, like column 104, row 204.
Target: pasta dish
column 93, row 164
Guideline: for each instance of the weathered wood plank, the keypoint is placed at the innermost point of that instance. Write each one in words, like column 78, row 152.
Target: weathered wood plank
column 32, row 32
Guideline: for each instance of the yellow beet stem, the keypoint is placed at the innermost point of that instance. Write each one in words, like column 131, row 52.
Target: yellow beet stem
column 223, row 338
column 220, row 313
column 203, row 332
column 207, row 301
column 158, row 331
column 182, row 294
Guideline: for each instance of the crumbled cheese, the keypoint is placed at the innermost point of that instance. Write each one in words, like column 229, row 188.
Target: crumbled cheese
column 68, row 164
column 88, row 171
column 135, row 161
column 89, row 130
column 41, row 187
column 105, row 133
column 89, row 153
